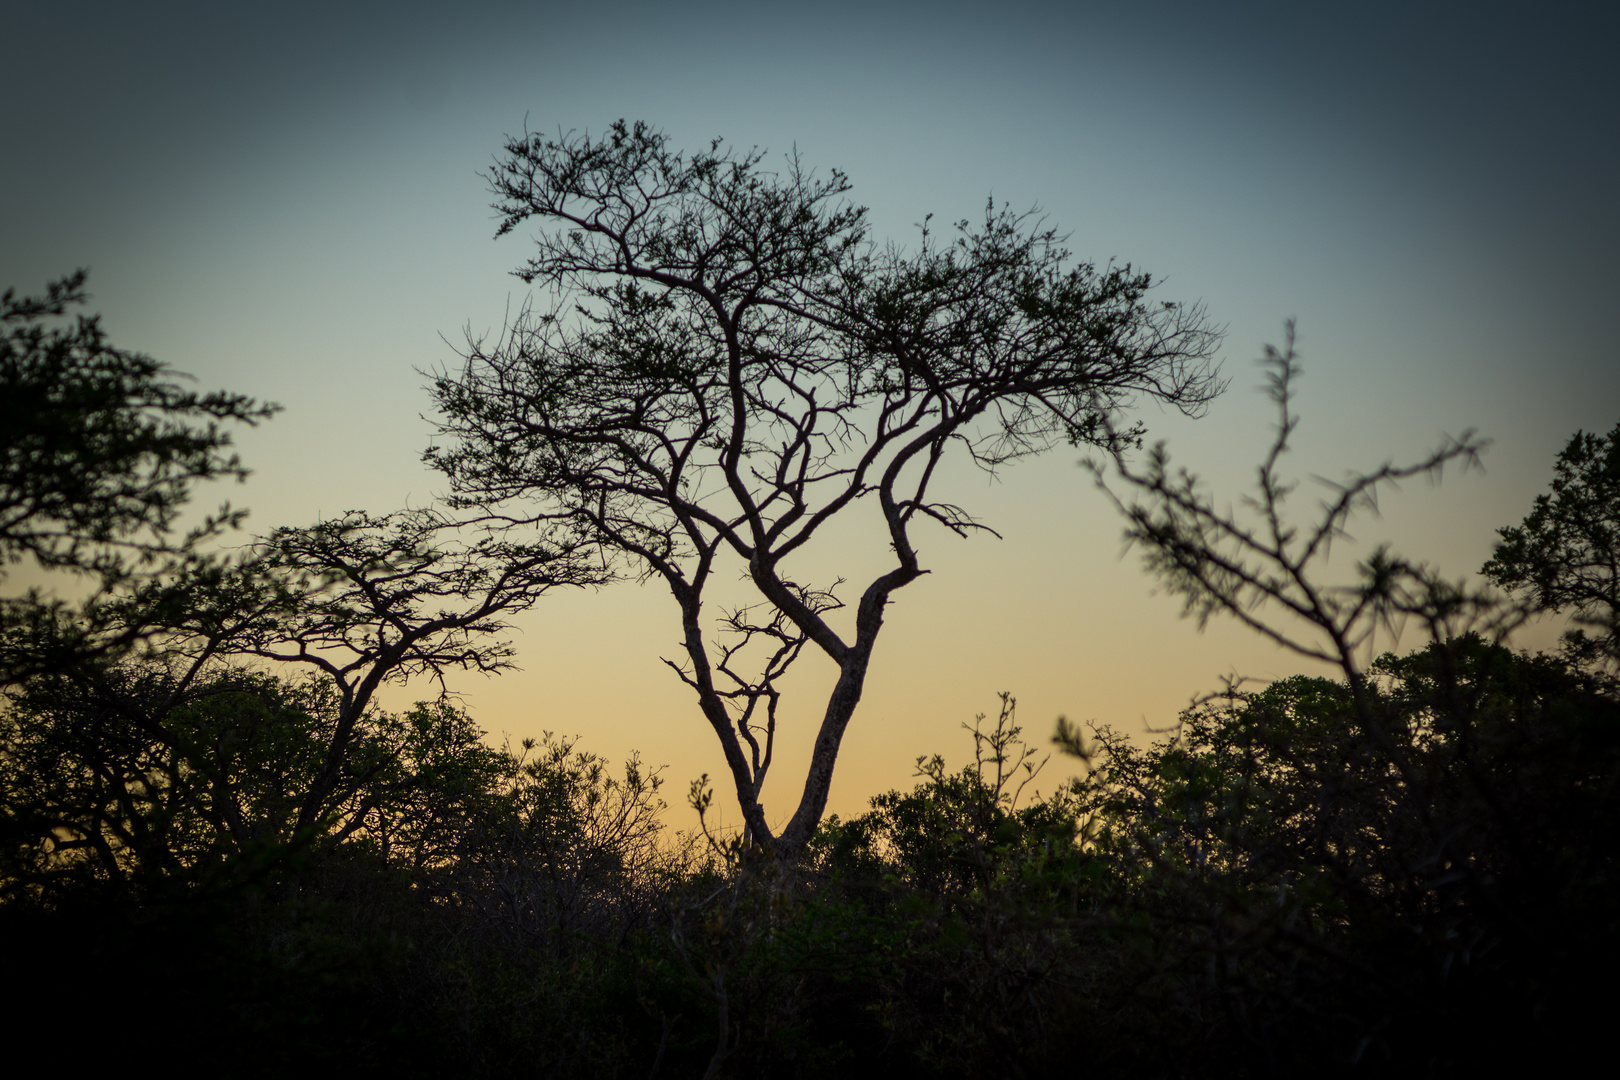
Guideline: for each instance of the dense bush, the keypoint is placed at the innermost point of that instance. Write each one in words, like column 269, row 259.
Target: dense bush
column 1326, row 909
column 1261, row 890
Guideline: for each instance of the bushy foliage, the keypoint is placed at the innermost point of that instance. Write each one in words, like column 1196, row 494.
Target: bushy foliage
column 1258, row 891
column 561, row 850
column 1320, row 910
column 101, row 449
column 980, row 902
column 1562, row 556
column 456, row 906
column 112, row 777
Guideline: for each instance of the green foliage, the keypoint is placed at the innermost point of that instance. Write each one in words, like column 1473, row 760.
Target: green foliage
column 1565, row 556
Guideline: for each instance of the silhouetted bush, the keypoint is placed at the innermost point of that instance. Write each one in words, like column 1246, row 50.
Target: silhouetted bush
column 1260, row 891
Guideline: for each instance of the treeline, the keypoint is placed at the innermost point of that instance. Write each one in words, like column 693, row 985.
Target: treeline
column 1260, row 891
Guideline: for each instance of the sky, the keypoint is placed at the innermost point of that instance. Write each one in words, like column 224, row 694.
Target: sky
column 288, row 201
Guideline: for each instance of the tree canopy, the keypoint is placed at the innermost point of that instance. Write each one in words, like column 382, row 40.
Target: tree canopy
column 1565, row 555
column 101, row 446
column 100, row 449
column 725, row 360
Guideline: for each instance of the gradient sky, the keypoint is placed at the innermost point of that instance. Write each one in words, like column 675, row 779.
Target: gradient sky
column 286, row 200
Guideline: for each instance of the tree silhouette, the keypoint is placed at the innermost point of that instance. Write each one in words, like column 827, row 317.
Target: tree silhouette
column 361, row 601
column 1565, row 555
column 730, row 362
column 105, row 761
column 1265, row 571
column 1419, row 850
column 99, row 451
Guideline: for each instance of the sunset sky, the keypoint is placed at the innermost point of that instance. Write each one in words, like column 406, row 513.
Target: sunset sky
column 287, row 201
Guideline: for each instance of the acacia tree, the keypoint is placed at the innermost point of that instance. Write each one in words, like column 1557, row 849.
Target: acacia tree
column 729, row 362
column 190, row 751
column 362, row 601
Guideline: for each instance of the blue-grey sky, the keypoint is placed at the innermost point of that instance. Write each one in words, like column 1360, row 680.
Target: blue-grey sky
column 285, row 200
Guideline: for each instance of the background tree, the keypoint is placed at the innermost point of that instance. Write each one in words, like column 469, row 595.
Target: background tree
column 203, row 725
column 360, row 602
column 1265, row 571
column 730, row 363
column 99, row 451
column 1565, row 556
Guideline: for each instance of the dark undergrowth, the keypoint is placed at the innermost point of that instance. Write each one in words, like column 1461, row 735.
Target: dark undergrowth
column 1260, row 892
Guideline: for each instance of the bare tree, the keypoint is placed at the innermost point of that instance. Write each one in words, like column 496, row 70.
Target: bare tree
column 729, row 362
column 1262, row 569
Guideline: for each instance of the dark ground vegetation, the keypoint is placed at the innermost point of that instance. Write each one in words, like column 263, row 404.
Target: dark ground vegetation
column 1256, row 893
